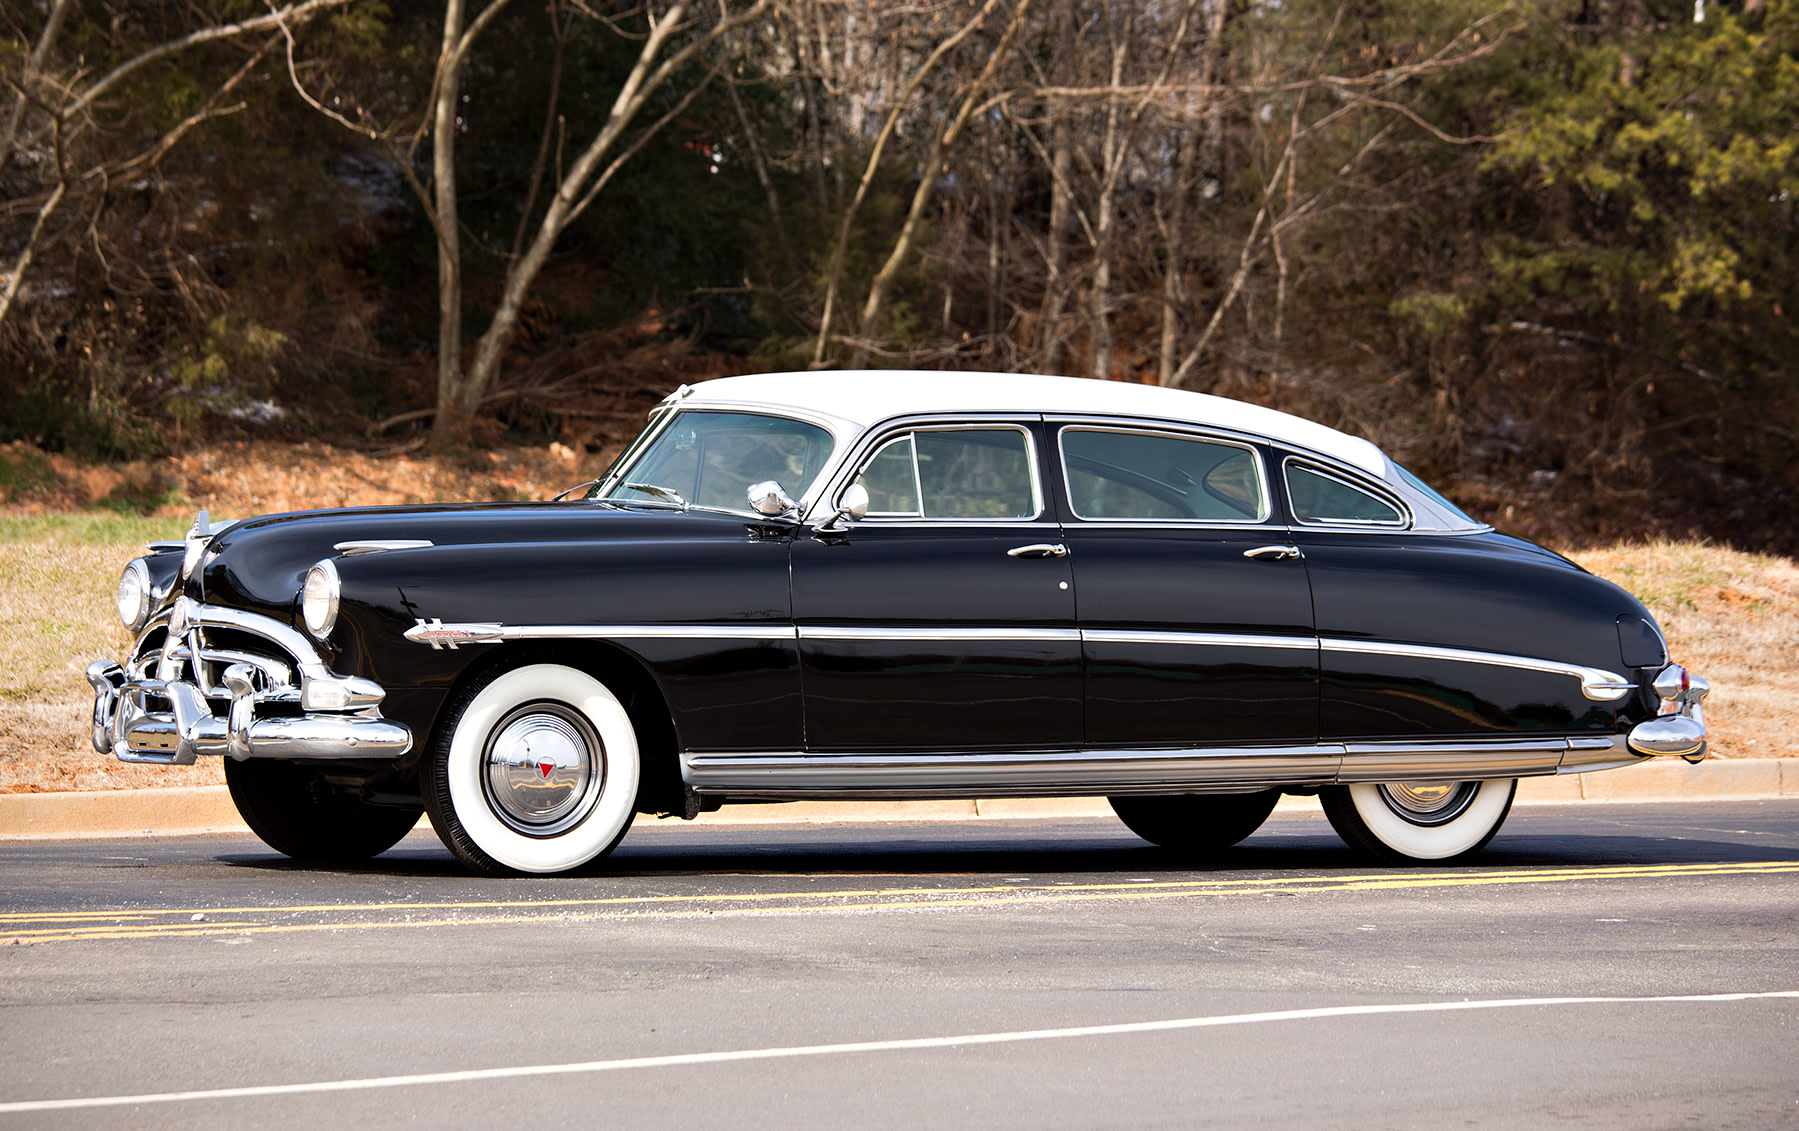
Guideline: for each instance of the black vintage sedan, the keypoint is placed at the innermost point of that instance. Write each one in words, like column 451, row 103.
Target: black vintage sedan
column 895, row 585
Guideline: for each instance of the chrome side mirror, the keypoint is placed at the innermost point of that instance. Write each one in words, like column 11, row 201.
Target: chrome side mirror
column 852, row 504
column 768, row 499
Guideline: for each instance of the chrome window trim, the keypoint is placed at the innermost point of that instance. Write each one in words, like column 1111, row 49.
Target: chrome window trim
column 830, row 425
column 875, row 438
column 1255, row 455
column 1595, row 683
column 1382, row 493
column 917, row 487
column 886, row 438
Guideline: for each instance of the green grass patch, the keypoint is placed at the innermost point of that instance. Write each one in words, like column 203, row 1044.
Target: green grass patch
column 98, row 528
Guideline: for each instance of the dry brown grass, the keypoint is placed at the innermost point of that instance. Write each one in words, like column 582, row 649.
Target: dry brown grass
column 1731, row 616
column 57, row 578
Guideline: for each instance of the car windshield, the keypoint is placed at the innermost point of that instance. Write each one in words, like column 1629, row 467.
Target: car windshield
column 711, row 459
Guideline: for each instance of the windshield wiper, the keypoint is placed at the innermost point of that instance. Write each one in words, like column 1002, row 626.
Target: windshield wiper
column 662, row 493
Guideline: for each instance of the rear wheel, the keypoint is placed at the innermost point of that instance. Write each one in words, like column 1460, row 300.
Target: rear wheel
column 1409, row 822
column 1195, row 822
column 534, row 769
column 296, row 812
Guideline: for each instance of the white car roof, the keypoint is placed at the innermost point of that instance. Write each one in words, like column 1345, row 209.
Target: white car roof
column 865, row 398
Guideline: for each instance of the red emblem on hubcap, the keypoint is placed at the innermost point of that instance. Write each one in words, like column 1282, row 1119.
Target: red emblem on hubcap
column 545, row 768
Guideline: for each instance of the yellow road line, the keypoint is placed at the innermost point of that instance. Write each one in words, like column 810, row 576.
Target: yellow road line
column 1408, row 879
column 142, row 924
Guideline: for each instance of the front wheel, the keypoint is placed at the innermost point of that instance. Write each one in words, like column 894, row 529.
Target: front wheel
column 533, row 770
column 1409, row 822
column 296, row 812
column 1195, row 823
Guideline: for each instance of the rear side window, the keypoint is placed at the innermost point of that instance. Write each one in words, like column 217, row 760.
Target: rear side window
column 1318, row 496
column 1147, row 475
column 953, row 473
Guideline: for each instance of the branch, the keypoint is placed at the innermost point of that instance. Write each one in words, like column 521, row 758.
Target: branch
column 204, row 35
column 900, row 103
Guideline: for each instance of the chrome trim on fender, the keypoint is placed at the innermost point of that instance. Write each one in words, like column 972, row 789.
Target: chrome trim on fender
column 440, row 635
column 1203, row 639
column 1595, row 683
column 379, row 545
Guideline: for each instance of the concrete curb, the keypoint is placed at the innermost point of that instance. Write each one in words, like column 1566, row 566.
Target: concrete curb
column 186, row 810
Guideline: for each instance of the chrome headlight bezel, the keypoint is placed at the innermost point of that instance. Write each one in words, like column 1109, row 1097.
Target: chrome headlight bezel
column 318, row 599
column 134, row 599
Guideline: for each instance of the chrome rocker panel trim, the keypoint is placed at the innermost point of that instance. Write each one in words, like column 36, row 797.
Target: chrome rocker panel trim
column 877, row 775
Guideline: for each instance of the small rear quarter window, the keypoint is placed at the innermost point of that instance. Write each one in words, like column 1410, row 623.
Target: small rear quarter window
column 1318, row 496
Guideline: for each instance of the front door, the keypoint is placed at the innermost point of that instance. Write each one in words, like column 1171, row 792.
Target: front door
column 1194, row 606
column 944, row 619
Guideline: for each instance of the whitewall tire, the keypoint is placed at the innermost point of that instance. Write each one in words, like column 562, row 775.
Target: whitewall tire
column 534, row 770
column 1409, row 822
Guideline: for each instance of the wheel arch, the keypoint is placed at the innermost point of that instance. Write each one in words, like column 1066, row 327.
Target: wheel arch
column 628, row 678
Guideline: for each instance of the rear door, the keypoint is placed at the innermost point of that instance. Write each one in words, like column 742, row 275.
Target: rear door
column 1195, row 613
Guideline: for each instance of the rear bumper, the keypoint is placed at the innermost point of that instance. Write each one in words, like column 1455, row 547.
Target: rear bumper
column 131, row 724
column 1679, row 730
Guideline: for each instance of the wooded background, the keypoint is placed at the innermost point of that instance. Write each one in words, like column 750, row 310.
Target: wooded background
column 1542, row 252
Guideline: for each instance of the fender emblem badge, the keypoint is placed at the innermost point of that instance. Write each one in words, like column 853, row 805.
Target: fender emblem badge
column 452, row 636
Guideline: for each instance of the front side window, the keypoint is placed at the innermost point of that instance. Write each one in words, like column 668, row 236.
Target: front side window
column 953, row 473
column 1147, row 475
column 1320, row 497
column 711, row 459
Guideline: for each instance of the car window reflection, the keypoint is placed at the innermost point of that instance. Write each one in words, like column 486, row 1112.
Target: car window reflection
column 1142, row 475
column 952, row 473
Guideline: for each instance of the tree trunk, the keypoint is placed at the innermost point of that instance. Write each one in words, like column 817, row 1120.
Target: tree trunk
column 1055, row 287
column 450, row 427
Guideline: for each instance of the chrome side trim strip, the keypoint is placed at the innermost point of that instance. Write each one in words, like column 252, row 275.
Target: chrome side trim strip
column 851, row 632
column 440, row 635
column 1595, row 683
column 1212, row 639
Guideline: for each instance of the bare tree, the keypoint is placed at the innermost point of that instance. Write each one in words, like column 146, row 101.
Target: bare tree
column 51, row 121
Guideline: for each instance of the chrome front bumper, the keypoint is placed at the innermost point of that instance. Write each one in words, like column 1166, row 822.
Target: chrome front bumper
column 162, row 713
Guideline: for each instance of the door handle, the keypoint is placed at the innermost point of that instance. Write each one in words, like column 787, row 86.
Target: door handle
column 1039, row 550
column 1272, row 553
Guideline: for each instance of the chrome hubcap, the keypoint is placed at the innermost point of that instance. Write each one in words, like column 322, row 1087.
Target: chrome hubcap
column 542, row 769
column 1429, row 803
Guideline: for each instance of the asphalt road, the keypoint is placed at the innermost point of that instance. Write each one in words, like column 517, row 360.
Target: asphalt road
column 987, row 974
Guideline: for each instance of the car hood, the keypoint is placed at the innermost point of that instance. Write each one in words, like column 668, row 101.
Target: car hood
column 260, row 564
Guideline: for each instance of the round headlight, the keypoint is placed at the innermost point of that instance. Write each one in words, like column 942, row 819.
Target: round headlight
column 134, row 595
column 318, row 600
